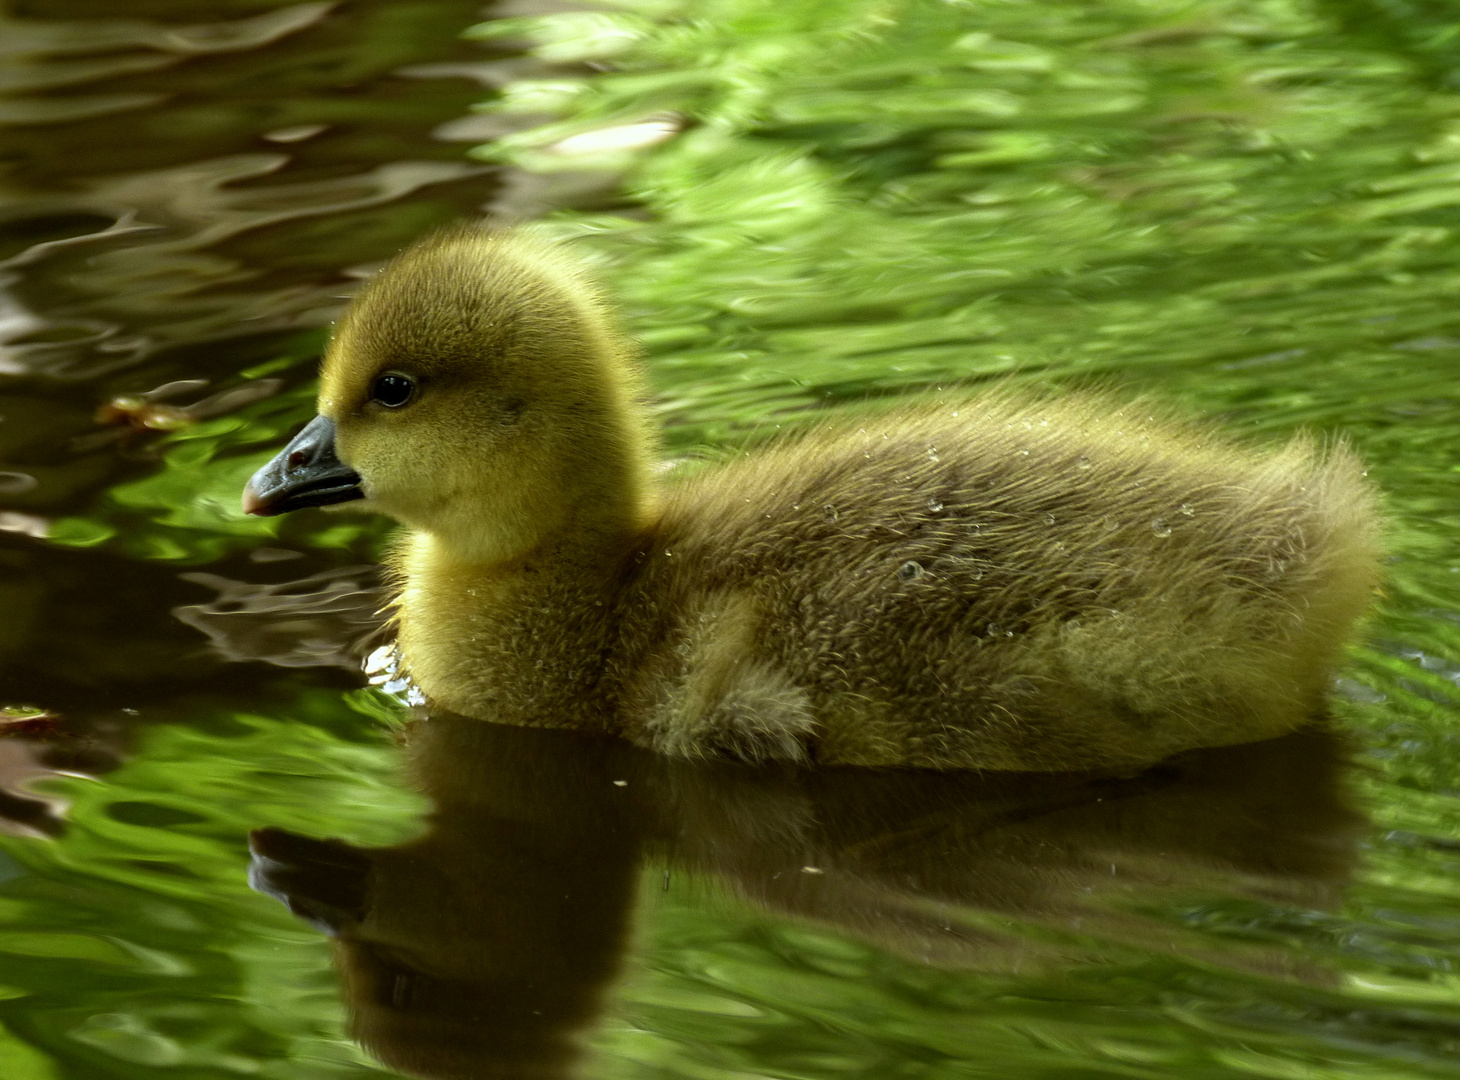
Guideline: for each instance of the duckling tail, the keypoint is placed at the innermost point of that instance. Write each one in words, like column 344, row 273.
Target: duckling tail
column 1343, row 547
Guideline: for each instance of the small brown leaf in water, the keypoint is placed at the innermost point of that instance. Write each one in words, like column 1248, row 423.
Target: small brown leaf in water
column 25, row 722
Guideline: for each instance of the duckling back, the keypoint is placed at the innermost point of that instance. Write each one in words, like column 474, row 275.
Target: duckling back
column 1001, row 584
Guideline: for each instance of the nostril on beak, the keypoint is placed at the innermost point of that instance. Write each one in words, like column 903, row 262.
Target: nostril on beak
column 298, row 458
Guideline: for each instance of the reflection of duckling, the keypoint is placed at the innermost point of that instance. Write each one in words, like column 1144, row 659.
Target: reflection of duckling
column 997, row 583
column 486, row 947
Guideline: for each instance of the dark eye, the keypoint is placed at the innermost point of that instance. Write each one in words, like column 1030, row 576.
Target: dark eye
column 392, row 391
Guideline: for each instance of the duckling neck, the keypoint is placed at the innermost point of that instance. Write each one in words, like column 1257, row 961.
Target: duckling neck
column 504, row 611
column 573, row 499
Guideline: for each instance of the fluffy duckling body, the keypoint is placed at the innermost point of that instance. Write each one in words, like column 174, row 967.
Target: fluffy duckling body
column 996, row 583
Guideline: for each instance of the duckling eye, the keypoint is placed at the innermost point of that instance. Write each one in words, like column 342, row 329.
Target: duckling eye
column 392, row 391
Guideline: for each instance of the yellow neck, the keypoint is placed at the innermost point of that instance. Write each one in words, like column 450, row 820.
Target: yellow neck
column 589, row 502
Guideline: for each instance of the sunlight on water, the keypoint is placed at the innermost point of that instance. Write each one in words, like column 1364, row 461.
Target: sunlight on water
column 1247, row 208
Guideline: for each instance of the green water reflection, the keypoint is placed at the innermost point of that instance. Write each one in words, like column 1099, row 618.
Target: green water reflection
column 1249, row 207
column 489, row 942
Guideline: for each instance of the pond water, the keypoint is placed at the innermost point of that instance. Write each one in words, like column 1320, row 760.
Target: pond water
column 1249, row 208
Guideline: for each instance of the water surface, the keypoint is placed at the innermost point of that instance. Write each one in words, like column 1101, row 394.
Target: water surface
column 1245, row 208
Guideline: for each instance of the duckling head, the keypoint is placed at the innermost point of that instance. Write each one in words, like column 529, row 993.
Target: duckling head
column 477, row 391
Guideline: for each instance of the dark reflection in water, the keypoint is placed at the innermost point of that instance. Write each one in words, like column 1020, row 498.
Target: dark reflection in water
column 201, row 191
column 189, row 192
column 325, row 620
column 485, row 948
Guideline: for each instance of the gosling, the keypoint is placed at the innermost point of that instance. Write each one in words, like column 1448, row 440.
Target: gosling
column 1003, row 582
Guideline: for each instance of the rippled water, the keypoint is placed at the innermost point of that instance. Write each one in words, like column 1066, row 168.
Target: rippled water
column 1248, row 207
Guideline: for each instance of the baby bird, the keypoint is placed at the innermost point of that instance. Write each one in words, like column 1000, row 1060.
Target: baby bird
column 997, row 583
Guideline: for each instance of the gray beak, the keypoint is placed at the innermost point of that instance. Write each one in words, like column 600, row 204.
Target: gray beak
column 305, row 473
